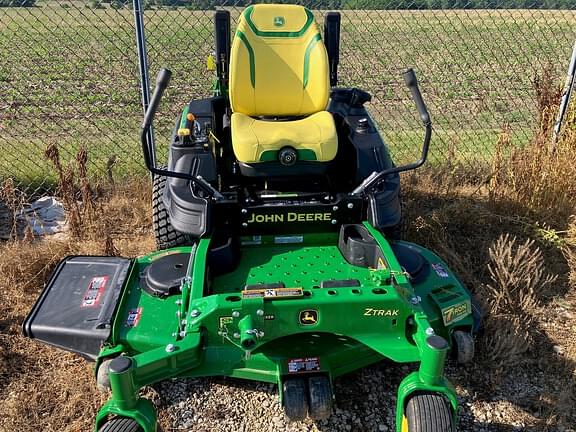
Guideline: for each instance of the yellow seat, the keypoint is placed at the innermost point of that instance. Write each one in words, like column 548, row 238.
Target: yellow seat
column 279, row 86
column 313, row 138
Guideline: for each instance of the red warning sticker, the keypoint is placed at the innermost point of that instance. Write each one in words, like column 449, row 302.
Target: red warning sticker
column 301, row 365
column 95, row 291
column 133, row 317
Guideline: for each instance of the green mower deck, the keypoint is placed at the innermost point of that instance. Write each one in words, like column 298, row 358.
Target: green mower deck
column 275, row 334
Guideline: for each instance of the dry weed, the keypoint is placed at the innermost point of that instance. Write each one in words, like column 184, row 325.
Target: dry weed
column 570, row 251
column 540, row 176
column 508, row 338
column 548, row 95
column 516, row 272
column 14, row 201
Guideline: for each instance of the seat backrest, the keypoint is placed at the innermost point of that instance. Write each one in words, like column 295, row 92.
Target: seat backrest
column 278, row 63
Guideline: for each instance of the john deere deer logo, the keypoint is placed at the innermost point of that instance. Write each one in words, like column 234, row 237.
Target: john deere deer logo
column 279, row 21
column 308, row 317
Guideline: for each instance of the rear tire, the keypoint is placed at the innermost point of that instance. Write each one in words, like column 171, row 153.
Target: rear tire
column 428, row 413
column 121, row 424
column 164, row 233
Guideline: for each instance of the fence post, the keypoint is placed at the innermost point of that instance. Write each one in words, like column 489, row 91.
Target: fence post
column 568, row 86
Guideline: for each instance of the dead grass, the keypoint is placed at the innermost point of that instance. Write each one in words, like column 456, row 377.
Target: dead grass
column 43, row 387
column 539, row 179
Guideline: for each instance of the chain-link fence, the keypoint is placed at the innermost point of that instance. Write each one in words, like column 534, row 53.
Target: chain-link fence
column 69, row 74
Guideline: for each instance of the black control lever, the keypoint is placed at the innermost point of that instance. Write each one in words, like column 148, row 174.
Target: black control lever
column 412, row 84
column 162, row 81
column 375, row 178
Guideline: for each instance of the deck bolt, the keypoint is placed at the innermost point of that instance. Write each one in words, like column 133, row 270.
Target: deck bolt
column 429, row 331
column 170, row 348
column 334, row 221
column 174, row 334
column 236, row 335
column 178, row 302
column 245, row 225
column 182, row 333
column 260, row 312
column 244, row 211
column 195, row 313
column 235, row 314
column 183, row 322
column 177, row 313
column 350, row 205
column 335, row 208
column 415, row 300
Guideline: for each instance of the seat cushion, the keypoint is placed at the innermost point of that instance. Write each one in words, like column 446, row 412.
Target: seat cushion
column 314, row 138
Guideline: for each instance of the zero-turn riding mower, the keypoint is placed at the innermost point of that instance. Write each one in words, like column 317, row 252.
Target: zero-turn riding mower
column 277, row 221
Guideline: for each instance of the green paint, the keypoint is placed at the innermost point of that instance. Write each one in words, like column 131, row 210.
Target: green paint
column 309, row 49
column 303, row 155
column 279, row 34
column 143, row 413
column 243, row 38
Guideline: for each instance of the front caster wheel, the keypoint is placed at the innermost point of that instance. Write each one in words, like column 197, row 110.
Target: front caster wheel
column 320, row 397
column 463, row 346
column 428, row 413
column 295, row 399
column 103, row 376
column 121, row 424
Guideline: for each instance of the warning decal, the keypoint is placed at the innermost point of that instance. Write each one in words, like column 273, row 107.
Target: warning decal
column 133, row 317
column 95, row 290
column 301, row 365
column 272, row 293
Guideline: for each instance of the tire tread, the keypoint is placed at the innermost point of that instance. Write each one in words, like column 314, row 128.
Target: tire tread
column 165, row 235
column 428, row 412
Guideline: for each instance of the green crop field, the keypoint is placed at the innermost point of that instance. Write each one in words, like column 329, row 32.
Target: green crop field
column 69, row 75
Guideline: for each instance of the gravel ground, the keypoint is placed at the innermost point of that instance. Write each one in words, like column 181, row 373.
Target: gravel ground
column 365, row 401
column 513, row 398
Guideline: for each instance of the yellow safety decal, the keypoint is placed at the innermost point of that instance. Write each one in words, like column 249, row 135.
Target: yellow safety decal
column 273, row 293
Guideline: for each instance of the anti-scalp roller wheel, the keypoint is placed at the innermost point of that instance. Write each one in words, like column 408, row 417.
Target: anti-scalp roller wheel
column 295, row 399
column 320, row 397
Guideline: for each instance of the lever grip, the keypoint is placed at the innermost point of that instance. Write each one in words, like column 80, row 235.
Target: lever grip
column 412, row 84
column 162, row 81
